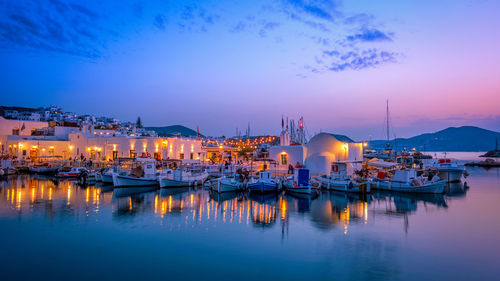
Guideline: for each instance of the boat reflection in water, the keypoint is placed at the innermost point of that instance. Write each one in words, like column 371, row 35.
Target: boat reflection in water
column 27, row 194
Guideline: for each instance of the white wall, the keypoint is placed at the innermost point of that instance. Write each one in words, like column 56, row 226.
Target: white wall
column 6, row 126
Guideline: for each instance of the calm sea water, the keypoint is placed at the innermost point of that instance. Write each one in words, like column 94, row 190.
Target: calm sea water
column 60, row 231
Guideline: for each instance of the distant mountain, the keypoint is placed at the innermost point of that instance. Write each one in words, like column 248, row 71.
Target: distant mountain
column 168, row 131
column 466, row 138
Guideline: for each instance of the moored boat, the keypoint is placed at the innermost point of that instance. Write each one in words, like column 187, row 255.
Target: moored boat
column 406, row 180
column 143, row 175
column 343, row 178
column 265, row 183
column 300, row 183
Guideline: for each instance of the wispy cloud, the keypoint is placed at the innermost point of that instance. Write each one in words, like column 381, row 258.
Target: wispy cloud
column 357, row 60
column 160, row 21
column 369, row 35
column 54, row 26
column 321, row 9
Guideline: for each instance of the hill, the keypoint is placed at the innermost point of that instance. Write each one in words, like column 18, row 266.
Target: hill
column 466, row 138
column 173, row 130
column 18, row 108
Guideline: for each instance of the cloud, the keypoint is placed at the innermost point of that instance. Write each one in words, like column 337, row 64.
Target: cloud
column 193, row 17
column 369, row 35
column 160, row 21
column 360, row 60
column 320, row 9
column 53, row 26
column 359, row 19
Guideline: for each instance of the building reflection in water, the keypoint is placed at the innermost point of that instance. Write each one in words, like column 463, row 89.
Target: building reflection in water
column 27, row 194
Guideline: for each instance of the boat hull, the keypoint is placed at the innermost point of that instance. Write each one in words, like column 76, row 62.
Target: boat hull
column 107, row 179
column 263, row 187
column 451, row 175
column 435, row 187
column 129, row 181
column 345, row 185
column 165, row 183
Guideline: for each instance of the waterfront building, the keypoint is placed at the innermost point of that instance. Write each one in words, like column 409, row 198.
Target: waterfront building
column 318, row 154
column 66, row 140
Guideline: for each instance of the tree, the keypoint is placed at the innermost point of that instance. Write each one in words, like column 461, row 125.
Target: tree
column 138, row 123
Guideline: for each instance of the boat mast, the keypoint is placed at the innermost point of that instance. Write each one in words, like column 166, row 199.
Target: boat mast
column 387, row 113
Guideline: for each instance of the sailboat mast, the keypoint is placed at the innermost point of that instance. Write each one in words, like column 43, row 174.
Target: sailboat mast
column 387, row 112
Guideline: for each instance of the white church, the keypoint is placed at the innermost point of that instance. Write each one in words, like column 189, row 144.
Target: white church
column 318, row 154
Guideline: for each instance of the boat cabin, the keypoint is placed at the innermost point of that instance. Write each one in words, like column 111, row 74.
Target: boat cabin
column 301, row 177
column 405, row 176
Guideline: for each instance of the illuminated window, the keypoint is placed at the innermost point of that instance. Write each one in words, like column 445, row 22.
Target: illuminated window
column 283, row 158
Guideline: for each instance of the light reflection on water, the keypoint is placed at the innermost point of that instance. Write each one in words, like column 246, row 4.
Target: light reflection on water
column 328, row 236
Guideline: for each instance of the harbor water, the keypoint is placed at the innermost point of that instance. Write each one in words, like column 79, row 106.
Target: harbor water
column 57, row 230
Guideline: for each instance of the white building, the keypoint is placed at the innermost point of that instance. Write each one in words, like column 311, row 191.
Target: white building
column 318, row 154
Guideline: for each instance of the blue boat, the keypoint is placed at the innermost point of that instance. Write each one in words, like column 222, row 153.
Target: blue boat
column 265, row 184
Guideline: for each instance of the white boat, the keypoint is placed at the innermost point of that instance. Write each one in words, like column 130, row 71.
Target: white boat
column 72, row 173
column 449, row 171
column 300, row 183
column 178, row 178
column 107, row 174
column 342, row 178
column 265, row 183
column 228, row 184
column 143, row 175
column 406, row 180
column 44, row 168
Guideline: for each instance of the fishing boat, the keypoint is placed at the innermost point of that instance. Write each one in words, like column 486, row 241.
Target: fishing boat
column 229, row 184
column 300, row 183
column 107, row 174
column 44, row 168
column 142, row 175
column 72, row 173
column 265, row 183
column 178, row 177
column 343, row 178
column 406, row 180
column 448, row 170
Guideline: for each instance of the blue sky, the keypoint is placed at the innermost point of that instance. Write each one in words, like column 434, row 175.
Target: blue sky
column 221, row 64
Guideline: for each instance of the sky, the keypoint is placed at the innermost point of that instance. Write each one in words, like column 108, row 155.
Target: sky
column 222, row 65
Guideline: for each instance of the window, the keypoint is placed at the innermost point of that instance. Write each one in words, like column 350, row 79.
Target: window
column 283, row 158
column 132, row 153
column 157, row 156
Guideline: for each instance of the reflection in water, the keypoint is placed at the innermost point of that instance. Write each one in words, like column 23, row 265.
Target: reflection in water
column 33, row 194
